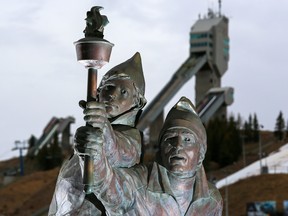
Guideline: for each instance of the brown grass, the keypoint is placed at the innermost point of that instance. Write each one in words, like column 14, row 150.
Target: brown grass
column 258, row 188
column 28, row 194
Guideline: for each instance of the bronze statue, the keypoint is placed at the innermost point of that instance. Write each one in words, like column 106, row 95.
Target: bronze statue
column 176, row 186
column 120, row 99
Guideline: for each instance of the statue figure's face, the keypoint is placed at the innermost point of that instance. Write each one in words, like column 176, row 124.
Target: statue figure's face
column 180, row 150
column 118, row 95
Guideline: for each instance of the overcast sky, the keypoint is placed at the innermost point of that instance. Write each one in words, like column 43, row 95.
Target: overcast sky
column 40, row 77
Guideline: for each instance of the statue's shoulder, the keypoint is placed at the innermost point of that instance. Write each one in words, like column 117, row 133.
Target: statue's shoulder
column 138, row 173
column 125, row 129
column 122, row 127
column 140, row 170
column 215, row 193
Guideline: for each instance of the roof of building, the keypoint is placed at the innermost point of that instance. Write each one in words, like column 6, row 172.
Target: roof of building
column 205, row 24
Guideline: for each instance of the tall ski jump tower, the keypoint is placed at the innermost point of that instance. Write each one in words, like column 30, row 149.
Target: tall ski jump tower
column 209, row 36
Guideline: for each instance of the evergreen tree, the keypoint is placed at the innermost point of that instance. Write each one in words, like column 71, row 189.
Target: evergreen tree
column 250, row 120
column 239, row 122
column 250, row 126
column 279, row 127
column 224, row 142
column 214, row 139
column 32, row 141
column 287, row 129
column 248, row 129
column 50, row 156
column 231, row 148
column 55, row 153
column 41, row 158
column 255, row 129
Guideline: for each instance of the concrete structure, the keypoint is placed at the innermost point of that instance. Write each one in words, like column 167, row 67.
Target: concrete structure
column 208, row 61
column 57, row 128
column 209, row 36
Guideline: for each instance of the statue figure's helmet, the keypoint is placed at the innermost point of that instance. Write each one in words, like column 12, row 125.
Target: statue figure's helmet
column 183, row 115
column 130, row 69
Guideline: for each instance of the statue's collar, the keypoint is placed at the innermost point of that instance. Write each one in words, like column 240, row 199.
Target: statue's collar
column 126, row 118
column 159, row 182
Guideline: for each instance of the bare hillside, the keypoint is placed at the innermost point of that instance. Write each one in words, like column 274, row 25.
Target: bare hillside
column 31, row 194
column 28, row 194
column 258, row 188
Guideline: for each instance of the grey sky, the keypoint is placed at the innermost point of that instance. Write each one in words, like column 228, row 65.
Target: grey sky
column 40, row 77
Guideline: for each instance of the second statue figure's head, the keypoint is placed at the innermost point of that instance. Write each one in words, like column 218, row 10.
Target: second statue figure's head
column 122, row 89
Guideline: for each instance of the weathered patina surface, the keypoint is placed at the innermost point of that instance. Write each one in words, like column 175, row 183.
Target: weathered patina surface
column 120, row 97
column 174, row 185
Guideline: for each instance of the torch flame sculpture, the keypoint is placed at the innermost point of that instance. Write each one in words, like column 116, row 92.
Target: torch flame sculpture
column 93, row 52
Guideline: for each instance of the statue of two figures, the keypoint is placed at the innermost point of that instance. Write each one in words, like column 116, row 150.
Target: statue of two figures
column 174, row 185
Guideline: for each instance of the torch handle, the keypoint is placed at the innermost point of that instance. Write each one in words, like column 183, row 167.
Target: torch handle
column 88, row 163
column 92, row 84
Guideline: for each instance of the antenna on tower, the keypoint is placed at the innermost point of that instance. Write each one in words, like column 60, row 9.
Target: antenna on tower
column 219, row 2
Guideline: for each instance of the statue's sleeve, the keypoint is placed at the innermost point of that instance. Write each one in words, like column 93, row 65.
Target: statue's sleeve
column 219, row 208
column 116, row 187
column 125, row 150
column 217, row 200
column 68, row 195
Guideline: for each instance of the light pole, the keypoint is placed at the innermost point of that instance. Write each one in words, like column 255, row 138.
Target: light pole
column 260, row 148
column 20, row 145
column 226, row 193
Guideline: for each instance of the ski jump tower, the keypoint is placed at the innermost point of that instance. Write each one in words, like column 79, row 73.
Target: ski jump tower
column 209, row 37
column 207, row 61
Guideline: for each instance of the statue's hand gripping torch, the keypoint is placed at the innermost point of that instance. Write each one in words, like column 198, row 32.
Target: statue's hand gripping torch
column 93, row 52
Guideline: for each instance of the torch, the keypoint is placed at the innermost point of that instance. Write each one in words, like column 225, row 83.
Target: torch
column 93, row 52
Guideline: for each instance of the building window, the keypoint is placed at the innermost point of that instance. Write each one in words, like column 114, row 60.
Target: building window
column 226, row 42
column 226, row 51
column 198, row 36
column 202, row 44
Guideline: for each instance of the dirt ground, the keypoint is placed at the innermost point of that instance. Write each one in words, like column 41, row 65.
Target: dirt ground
column 28, row 194
column 256, row 189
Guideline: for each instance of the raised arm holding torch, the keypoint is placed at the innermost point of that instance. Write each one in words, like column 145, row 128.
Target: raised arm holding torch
column 93, row 52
